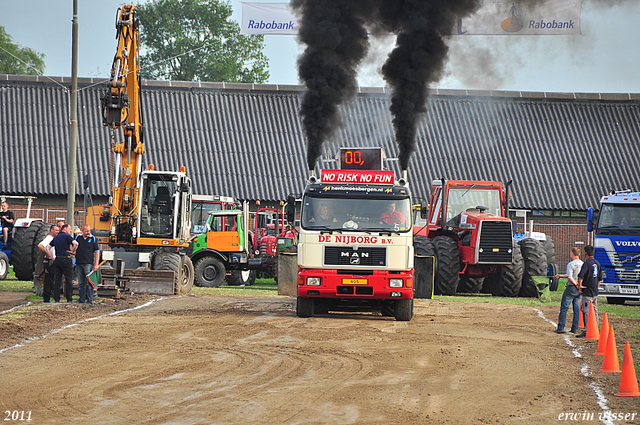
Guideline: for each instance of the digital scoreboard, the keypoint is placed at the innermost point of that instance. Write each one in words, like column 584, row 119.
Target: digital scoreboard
column 361, row 158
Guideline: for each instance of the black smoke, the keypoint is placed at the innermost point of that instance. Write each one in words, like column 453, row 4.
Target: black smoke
column 335, row 32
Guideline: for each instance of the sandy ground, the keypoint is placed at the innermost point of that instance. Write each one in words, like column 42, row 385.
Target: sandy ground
column 221, row 360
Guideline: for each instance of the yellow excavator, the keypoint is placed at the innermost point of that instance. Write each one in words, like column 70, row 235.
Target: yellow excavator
column 147, row 221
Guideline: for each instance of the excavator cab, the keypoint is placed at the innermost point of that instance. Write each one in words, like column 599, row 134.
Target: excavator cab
column 165, row 204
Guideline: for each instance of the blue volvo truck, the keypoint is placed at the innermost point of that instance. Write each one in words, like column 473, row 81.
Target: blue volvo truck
column 617, row 245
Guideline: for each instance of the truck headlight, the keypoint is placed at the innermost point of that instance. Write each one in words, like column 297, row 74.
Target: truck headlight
column 313, row 281
column 395, row 283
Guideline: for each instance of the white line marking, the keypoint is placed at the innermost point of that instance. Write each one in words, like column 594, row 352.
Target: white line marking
column 16, row 307
column 27, row 340
column 602, row 400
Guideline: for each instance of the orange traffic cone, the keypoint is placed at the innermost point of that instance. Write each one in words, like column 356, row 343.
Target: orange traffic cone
column 581, row 321
column 592, row 325
column 610, row 363
column 604, row 332
column 628, row 380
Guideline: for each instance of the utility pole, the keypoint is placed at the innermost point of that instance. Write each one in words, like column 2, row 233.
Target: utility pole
column 73, row 129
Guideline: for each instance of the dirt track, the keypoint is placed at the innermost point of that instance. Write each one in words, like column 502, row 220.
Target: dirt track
column 207, row 359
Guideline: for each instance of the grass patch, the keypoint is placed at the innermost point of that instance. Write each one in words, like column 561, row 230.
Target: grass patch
column 628, row 311
column 261, row 288
column 13, row 284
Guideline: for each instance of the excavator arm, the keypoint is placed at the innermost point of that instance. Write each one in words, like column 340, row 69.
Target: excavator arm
column 121, row 110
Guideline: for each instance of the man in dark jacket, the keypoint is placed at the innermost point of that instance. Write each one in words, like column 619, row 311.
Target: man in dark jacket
column 65, row 247
column 87, row 259
column 589, row 280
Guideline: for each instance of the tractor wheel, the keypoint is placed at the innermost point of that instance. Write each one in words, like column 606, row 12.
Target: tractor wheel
column 549, row 250
column 4, row 265
column 535, row 264
column 403, row 310
column 38, row 275
column 304, row 307
column 170, row 261
column 447, row 265
column 472, row 285
column 210, row 272
column 188, row 276
column 508, row 281
column 241, row 278
column 553, row 270
column 25, row 248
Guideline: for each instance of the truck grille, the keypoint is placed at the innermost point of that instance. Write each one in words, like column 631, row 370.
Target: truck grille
column 628, row 275
column 496, row 242
column 626, row 260
column 355, row 256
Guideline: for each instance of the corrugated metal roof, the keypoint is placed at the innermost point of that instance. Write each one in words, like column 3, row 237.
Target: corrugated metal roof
column 562, row 150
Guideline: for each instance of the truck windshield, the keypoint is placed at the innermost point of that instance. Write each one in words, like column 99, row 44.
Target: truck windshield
column 200, row 214
column 356, row 214
column 619, row 219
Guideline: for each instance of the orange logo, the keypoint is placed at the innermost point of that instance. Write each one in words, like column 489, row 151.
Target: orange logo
column 512, row 24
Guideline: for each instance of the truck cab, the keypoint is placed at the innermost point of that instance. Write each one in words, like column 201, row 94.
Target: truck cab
column 617, row 245
column 355, row 246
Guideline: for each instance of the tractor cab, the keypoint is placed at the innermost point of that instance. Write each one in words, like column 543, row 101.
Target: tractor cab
column 458, row 206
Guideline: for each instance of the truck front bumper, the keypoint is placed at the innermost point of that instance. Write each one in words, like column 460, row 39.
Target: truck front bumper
column 624, row 290
column 376, row 284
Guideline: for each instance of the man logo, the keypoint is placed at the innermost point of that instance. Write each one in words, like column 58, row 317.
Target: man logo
column 354, row 256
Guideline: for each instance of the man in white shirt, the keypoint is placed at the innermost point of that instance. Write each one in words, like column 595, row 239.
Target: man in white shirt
column 571, row 294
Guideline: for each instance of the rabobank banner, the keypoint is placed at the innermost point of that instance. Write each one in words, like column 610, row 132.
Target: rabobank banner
column 268, row 18
column 499, row 17
column 494, row 17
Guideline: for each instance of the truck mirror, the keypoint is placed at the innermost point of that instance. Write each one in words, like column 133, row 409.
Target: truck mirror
column 590, row 226
column 424, row 211
column 290, row 209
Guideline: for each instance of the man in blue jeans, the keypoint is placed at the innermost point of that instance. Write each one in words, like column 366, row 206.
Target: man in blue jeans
column 571, row 294
column 87, row 259
column 589, row 280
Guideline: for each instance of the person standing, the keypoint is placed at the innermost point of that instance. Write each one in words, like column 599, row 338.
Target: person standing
column 571, row 294
column 6, row 220
column 47, row 262
column 87, row 259
column 589, row 280
column 65, row 247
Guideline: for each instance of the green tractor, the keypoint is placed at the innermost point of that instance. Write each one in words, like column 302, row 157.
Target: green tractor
column 225, row 246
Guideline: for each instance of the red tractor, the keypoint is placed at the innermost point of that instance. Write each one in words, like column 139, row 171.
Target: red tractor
column 468, row 231
column 271, row 235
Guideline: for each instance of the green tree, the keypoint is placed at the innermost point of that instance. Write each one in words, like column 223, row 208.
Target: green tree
column 18, row 60
column 194, row 40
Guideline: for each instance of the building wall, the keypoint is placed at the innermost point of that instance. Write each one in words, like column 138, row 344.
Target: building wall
column 565, row 234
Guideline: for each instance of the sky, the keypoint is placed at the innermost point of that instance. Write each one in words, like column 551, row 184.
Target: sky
column 604, row 59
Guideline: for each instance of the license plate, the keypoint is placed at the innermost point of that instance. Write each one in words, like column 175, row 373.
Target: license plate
column 354, row 281
column 628, row 290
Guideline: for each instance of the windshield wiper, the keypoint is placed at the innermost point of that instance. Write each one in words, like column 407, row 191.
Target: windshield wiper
column 467, row 191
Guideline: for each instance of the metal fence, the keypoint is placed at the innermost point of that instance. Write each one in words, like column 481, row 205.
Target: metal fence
column 565, row 237
column 49, row 215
